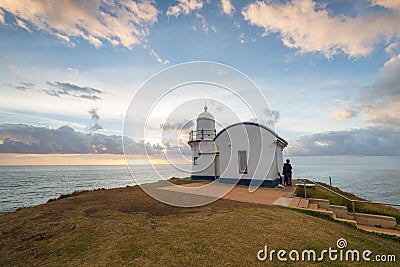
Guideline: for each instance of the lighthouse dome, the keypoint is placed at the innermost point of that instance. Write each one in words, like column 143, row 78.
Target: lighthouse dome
column 206, row 114
column 205, row 125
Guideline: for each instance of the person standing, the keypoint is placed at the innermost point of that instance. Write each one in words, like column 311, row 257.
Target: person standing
column 287, row 173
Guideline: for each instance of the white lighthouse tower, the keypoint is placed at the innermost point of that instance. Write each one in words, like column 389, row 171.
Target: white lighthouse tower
column 204, row 150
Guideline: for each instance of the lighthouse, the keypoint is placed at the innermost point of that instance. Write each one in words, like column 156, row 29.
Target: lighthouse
column 242, row 153
column 204, row 150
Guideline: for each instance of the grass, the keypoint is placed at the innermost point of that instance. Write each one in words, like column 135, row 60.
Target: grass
column 319, row 192
column 181, row 181
column 124, row 226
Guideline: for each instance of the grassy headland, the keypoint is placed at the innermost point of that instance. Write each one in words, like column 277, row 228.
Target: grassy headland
column 125, row 226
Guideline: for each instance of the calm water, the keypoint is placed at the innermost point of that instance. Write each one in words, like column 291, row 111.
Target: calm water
column 373, row 178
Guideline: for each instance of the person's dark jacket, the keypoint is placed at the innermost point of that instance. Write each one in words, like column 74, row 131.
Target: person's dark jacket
column 287, row 168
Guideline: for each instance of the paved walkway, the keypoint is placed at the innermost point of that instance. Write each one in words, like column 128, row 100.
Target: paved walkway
column 263, row 195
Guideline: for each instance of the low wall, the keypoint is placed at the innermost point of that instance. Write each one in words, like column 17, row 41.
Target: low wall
column 322, row 203
column 374, row 220
column 340, row 211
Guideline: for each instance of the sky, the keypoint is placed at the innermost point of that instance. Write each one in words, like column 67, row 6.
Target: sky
column 330, row 71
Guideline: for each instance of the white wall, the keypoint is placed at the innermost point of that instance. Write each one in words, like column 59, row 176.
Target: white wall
column 205, row 151
column 260, row 145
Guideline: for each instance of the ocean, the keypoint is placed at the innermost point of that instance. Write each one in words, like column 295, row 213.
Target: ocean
column 373, row 178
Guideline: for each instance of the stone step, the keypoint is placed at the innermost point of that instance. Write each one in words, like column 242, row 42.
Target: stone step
column 303, row 203
column 326, row 212
column 295, row 202
column 368, row 228
column 353, row 222
column 313, row 206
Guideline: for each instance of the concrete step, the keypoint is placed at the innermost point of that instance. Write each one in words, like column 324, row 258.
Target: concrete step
column 303, row 203
column 295, row 202
column 353, row 222
column 313, row 206
column 368, row 228
column 326, row 212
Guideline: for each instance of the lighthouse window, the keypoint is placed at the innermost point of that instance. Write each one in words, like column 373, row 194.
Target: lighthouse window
column 242, row 155
column 195, row 160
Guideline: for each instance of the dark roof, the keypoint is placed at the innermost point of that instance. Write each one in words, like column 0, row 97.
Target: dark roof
column 254, row 124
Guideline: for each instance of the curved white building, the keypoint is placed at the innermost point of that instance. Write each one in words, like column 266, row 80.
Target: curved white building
column 243, row 153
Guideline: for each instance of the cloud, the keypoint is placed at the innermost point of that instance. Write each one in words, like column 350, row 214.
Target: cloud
column 227, row 7
column 22, row 25
column 373, row 141
column 2, row 17
column 379, row 103
column 391, row 4
column 343, row 114
column 95, row 127
column 22, row 86
column 392, row 48
column 155, row 54
column 347, row 109
column 59, row 89
column 23, row 138
column 276, row 115
column 269, row 118
column 184, row 125
column 204, row 23
column 124, row 22
column 72, row 69
column 184, row 7
column 308, row 27
column 94, row 115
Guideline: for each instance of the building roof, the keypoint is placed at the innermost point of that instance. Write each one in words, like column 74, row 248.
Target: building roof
column 205, row 114
column 280, row 139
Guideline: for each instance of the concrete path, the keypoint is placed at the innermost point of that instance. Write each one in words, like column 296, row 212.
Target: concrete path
column 262, row 195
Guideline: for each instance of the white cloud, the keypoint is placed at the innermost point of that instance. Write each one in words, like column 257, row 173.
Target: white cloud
column 309, row 27
column 2, row 18
column 392, row 48
column 22, row 25
column 120, row 23
column 24, row 138
column 72, row 69
column 379, row 103
column 242, row 38
column 184, row 7
column 343, row 113
column 391, row 4
column 204, row 23
column 346, row 109
column 373, row 141
column 214, row 29
column 155, row 54
column 227, row 7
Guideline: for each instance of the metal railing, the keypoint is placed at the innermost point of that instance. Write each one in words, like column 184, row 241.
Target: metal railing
column 202, row 134
column 347, row 198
